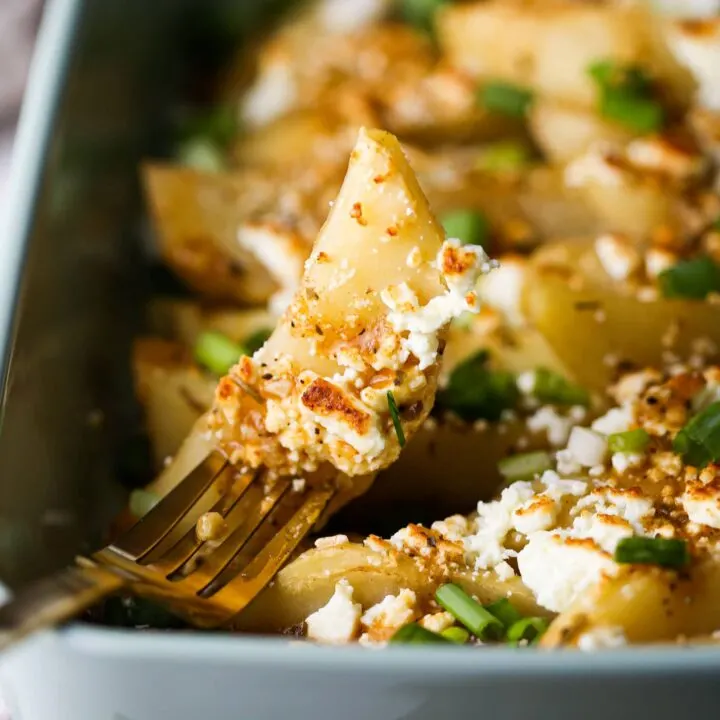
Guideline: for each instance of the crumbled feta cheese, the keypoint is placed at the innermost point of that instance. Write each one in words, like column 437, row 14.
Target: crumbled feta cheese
column 557, row 427
column 461, row 267
column 658, row 154
column 502, row 288
column 702, row 503
column 504, row 571
column 622, row 461
column 526, row 382
column 437, row 622
column 331, row 541
column 298, row 485
column 566, row 463
column 273, row 92
column 593, row 167
column 392, row 611
column 602, row 638
column 339, row 16
column 615, row 420
column 617, row 256
column 557, row 488
column 339, row 620
column 587, row 447
column 696, row 44
column 558, row 570
column 539, row 513
column 659, row 259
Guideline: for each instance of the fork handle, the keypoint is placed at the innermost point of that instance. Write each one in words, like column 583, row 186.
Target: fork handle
column 55, row 599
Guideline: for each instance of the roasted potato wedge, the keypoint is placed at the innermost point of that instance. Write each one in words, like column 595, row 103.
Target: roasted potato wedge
column 648, row 603
column 600, row 321
column 308, row 582
column 549, row 46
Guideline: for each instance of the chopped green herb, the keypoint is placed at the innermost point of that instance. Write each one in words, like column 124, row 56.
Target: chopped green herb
column 475, row 392
column 626, row 96
column 504, row 611
column 392, row 406
column 552, row 388
column 641, row 115
column 715, row 224
column 695, row 278
column 665, row 552
column 479, row 621
column 256, row 340
column 201, row 154
column 142, row 502
column 414, row 634
column 421, row 13
column 699, row 441
column 530, row 629
column 505, row 98
column 504, row 156
column 524, row 465
column 469, row 226
column 217, row 352
column 628, row 441
column 456, row 634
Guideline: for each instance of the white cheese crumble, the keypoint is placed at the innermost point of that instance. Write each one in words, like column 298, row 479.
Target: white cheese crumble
column 339, row 620
column 702, row 504
column 558, row 571
column 437, row 622
column 587, row 447
column 392, row 611
column 623, row 461
column 615, row 420
column 502, row 289
column 602, row 638
column 423, row 323
column 617, row 256
column 548, row 419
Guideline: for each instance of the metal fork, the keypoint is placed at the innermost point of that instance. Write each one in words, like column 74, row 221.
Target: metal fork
column 160, row 557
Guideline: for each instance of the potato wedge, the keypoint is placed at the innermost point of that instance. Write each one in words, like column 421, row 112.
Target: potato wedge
column 564, row 131
column 549, row 46
column 317, row 392
column 647, row 603
column 184, row 320
column 308, row 582
column 586, row 327
column 173, row 392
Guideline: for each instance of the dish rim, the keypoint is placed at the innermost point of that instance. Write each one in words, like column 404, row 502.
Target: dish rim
column 35, row 128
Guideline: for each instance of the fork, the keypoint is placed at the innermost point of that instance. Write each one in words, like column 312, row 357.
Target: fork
column 160, row 557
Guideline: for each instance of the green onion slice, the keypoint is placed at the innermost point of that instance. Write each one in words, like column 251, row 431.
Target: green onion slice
column 142, row 502
column 414, row 634
column 468, row 226
column 392, row 406
column 253, row 342
column 665, row 552
column 699, row 441
column 201, row 154
column 217, row 352
column 626, row 96
column 421, row 13
column 505, row 98
column 504, row 611
column 641, row 115
column 456, row 634
column 694, row 279
column 525, row 465
column 475, row 392
column 554, row 389
column 628, row 441
column 504, row 156
column 530, row 629
column 479, row 621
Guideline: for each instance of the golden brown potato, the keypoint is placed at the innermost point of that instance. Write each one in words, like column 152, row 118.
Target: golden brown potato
column 308, row 582
column 197, row 216
column 549, row 46
column 564, row 131
column 647, row 603
column 600, row 321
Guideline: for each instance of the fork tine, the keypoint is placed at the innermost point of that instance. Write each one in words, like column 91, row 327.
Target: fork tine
column 176, row 556
column 216, row 561
column 150, row 530
column 241, row 590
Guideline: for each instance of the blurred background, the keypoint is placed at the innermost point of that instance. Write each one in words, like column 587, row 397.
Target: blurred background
column 18, row 25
